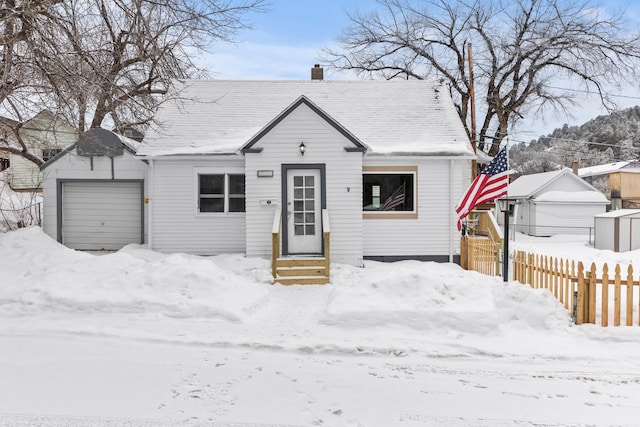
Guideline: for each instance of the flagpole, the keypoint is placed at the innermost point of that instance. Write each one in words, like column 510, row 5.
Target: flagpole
column 505, row 248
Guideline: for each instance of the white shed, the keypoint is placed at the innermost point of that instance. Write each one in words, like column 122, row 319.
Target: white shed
column 618, row 230
column 94, row 193
column 556, row 202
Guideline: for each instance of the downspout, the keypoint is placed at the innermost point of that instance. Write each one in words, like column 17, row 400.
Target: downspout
column 150, row 188
column 451, row 209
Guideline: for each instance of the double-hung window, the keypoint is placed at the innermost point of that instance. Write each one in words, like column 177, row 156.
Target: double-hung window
column 49, row 153
column 389, row 192
column 221, row 193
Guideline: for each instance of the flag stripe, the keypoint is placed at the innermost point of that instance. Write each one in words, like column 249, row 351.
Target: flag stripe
column 490, row 184
column 395, row 199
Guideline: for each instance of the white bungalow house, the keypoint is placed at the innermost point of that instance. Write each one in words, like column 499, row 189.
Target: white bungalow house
column 556, row 202
column 289, row 169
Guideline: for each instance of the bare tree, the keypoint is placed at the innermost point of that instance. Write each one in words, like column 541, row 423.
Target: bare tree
column 521, row 51
column 104, row 62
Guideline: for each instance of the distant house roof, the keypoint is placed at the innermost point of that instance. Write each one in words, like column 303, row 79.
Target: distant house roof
column 529, row 186
column 386, row 117
column 626, row 166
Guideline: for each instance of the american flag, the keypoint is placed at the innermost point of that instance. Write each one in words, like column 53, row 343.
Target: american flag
column 395, row 199
column 490, row 184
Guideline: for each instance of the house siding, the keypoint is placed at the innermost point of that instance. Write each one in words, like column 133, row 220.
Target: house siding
column 440, row 183
column 176, row 224
column 566, row 218
column 525, row 218
column 24, row 173
column 326, row 146
column 41, row 132
column 74, row 167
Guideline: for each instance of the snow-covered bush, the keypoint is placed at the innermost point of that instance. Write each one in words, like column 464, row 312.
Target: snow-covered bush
column 17, row 210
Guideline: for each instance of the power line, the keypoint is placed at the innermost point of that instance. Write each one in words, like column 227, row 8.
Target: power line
column 615, row 95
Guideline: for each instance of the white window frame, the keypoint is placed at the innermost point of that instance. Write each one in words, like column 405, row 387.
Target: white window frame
column 393, row 170
column 225, row 173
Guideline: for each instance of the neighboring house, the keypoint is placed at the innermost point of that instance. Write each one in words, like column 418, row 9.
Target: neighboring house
column 6, row 125
column 45, row 135
column 619, row 181
column 556, row 202
column 384, row 162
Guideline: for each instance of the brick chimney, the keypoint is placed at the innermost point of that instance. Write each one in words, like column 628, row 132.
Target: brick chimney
column 317, row 72
column 575, row 166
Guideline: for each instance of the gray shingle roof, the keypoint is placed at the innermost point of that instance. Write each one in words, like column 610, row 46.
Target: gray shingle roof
column 398, row 116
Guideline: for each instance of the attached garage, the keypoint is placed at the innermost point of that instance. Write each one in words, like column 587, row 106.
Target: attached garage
column 101, row 215
column 95, row 193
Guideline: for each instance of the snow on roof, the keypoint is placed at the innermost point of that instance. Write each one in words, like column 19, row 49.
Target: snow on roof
column 529, row 185
column 397, row 116
column 619, row 213
column 525, row 185
column 627, row 165
column 573, row 197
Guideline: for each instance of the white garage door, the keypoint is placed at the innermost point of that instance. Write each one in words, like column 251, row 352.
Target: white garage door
column 101, row 215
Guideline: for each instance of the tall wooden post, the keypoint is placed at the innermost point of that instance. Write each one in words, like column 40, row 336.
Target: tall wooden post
column 474, row 166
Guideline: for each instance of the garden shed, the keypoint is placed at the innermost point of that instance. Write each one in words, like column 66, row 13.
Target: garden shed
column 618, row 230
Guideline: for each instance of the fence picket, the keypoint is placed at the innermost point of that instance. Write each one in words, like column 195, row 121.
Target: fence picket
column 573, row 291
column 580, row 308
column 592, row 293
column 604, row 320
column 616, row 297
column 630, row 296
column 556, row 285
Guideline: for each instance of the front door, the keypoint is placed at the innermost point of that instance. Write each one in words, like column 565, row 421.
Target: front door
column 303, row 215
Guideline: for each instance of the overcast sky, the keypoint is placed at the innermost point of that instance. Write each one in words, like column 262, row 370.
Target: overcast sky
column 287, row 40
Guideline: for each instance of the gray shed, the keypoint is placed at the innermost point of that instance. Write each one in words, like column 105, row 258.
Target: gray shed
column 618, row 230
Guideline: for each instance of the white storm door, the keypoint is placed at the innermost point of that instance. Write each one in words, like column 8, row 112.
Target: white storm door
column 304, row 224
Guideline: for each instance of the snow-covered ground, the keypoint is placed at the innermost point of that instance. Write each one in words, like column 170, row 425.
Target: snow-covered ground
column 139, row 338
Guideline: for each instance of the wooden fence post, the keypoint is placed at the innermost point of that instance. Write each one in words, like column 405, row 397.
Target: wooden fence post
column 581, row 293
column 464, row 250
column 630, row 295
column 592, row 294
column 616, row 296
column 604, row 320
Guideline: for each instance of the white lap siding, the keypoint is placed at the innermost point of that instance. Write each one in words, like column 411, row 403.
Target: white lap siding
column 177, row 226
column 433, row 234
column 324, row 146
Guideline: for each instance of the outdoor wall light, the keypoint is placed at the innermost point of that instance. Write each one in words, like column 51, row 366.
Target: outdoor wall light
column 302, row 148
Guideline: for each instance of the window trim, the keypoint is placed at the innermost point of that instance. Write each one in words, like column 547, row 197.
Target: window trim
column 379, row 170
column 225, row 173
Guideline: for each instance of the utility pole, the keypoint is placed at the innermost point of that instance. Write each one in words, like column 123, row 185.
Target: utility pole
column 474, row 166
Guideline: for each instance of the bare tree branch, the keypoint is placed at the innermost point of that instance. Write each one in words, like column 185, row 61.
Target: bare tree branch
column 105, row 62
column 520, row 48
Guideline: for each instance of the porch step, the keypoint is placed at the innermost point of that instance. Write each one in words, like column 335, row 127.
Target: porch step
column 302, row 280
column 301, row 271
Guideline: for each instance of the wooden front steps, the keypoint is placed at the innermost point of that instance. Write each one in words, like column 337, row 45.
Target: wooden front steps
column 302, row 271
